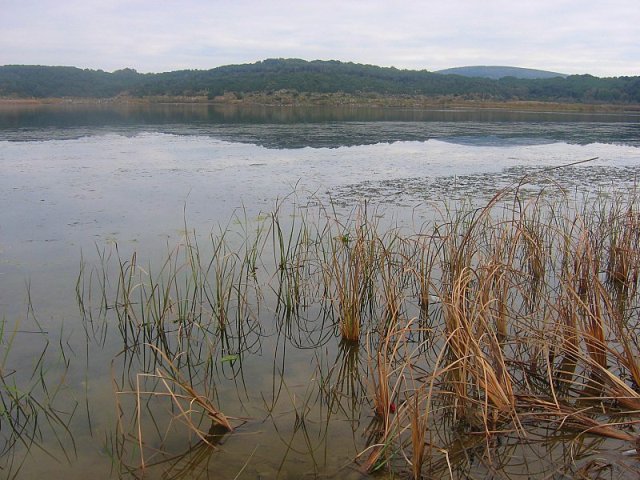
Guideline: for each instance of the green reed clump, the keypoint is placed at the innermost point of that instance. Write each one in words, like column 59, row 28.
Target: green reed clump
column 292, row 250
column 350, row 271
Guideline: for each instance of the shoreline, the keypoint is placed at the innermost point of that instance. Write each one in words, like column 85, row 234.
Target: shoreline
column 338, row 100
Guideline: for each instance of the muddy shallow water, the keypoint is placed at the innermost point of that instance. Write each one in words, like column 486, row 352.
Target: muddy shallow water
column 74, row 183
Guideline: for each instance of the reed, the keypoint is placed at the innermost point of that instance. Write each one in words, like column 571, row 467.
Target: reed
column 35, row 410
column 391, row 285
column 351, row 271
column 387, row 378
column 480, row 378
column 419, row 426
column 190, row 406
column 295, row 241
column 476, row 326
column 624, row 235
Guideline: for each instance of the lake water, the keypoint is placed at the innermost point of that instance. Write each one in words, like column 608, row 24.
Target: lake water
column 77, row 180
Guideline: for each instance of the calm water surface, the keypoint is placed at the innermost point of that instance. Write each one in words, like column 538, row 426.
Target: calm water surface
column 76, row 181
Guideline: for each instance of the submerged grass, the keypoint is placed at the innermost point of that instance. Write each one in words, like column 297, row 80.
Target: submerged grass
column 482, row 330
column 35, row 410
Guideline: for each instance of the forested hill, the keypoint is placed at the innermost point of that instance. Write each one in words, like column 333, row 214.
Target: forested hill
column 497, row 72
column 18, row 81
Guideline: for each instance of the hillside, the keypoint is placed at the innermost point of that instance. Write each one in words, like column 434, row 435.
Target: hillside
column 497, row 72
column 298, row 76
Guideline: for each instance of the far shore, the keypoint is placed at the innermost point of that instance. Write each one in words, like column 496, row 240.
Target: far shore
column 294, row 99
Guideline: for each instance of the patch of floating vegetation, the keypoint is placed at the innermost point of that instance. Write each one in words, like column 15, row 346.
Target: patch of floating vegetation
column 482, row 186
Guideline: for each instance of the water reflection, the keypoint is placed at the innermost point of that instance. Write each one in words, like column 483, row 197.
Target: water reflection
column 496, row 141
column 247, row 318
column 317, row 127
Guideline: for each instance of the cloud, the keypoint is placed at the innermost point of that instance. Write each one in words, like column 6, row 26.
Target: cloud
column 562, row 35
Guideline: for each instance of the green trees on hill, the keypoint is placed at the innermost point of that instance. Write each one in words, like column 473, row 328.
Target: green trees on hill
column 40, row 82
column 302, row 76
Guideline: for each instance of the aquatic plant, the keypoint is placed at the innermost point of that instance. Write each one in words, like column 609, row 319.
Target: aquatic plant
column 484, row 328
column 35, row 410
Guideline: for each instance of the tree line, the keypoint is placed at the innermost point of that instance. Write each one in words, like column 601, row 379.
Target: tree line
column 29, row 81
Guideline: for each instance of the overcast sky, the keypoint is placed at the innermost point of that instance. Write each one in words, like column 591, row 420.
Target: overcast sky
column 568, row 36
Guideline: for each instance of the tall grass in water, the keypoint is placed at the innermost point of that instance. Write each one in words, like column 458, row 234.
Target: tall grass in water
column 481, row 329
column 35, row 409
column 473, row 295
column 193, row 409
column 350, row 271
column 180, row 325
column 623, row 265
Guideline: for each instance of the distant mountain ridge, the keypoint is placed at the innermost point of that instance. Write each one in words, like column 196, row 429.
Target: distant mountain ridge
column 297, row 76
column 497, row 72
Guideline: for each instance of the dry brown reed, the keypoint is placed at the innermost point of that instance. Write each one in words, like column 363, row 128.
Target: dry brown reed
column 350, row 271
column 190, row 406
column 482, row 323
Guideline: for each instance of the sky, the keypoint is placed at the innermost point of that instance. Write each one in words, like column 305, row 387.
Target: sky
column 567, row 36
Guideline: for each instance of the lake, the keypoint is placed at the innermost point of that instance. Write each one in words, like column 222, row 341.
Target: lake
column 84, row 187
